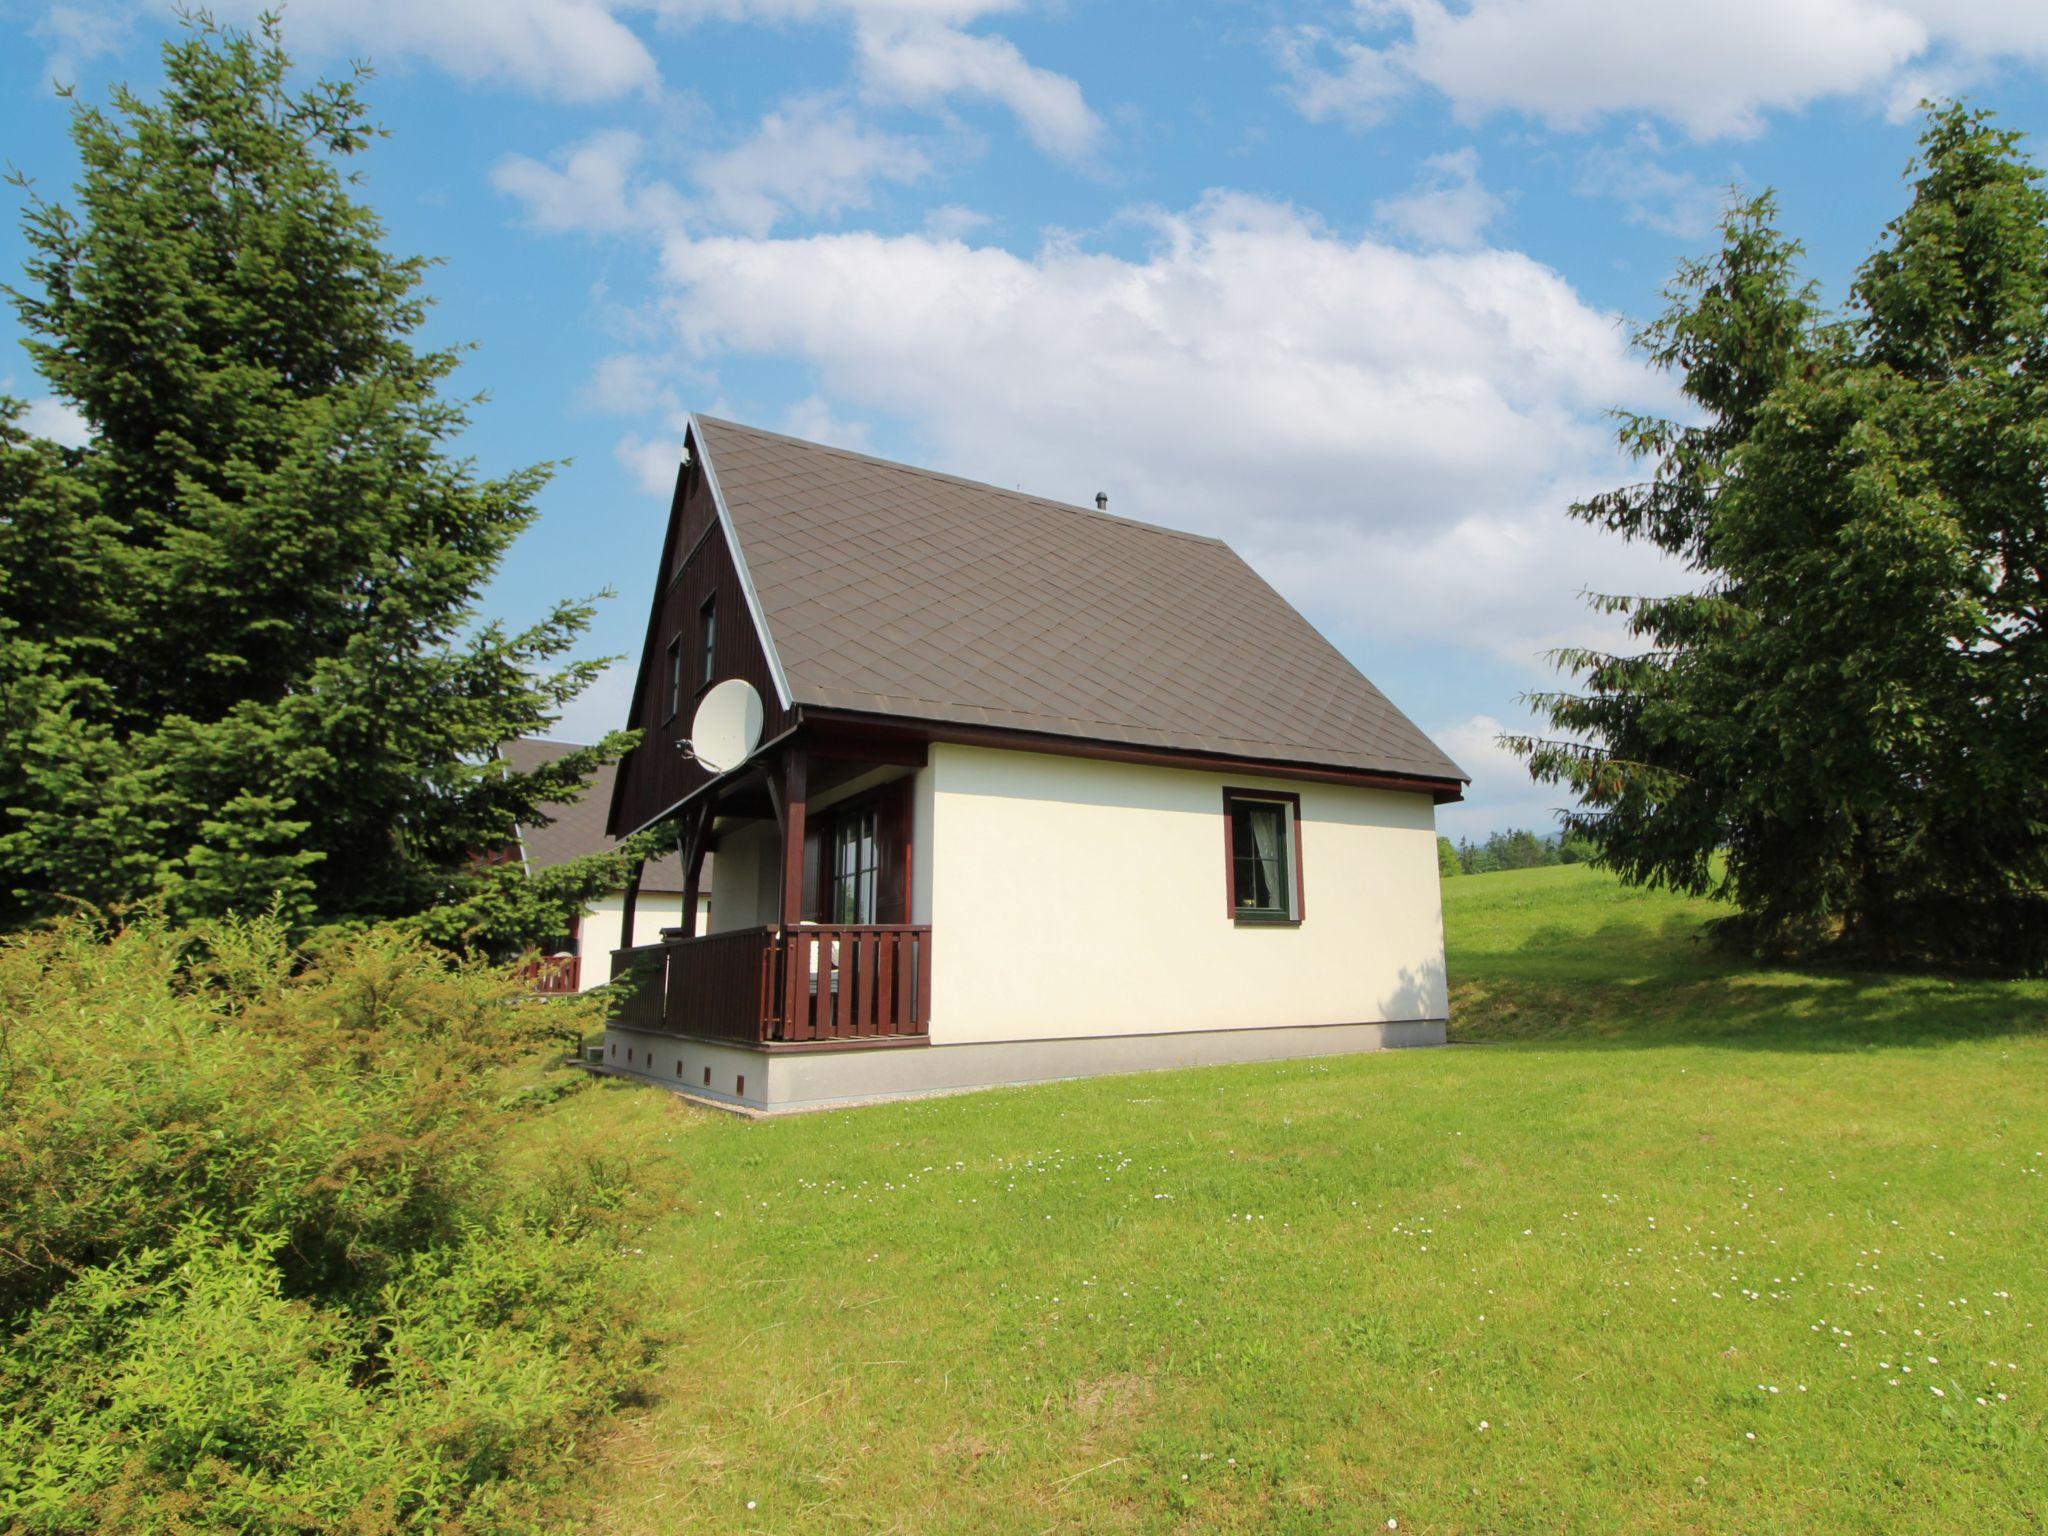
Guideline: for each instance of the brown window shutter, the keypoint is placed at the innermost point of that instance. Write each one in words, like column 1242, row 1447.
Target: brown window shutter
column 892, row 831
column 816, row 831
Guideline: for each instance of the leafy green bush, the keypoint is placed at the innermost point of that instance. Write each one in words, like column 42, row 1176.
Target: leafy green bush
column 256, row 1268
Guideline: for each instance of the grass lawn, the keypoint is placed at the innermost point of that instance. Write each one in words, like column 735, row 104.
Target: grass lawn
column 1673, row 1244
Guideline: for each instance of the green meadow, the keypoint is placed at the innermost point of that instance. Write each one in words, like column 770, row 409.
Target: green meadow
column 1664, row 1242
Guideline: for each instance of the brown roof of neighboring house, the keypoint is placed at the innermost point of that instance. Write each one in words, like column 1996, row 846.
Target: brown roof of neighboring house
column 900, row 591
column 576, row 826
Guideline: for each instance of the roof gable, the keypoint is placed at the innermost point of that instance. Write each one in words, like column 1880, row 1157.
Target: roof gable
column 899, row 591
column 699, row 563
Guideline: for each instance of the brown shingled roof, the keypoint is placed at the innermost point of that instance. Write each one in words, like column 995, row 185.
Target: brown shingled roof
column 577, row 826
column 900, row 591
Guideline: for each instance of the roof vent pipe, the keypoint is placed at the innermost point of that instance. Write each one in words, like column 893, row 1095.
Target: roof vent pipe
column 1102, row 501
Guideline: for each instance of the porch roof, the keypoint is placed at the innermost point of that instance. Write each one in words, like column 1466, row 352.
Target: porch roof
column 901, row 592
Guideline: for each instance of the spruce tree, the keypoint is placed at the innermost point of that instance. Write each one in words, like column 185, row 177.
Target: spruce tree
column 240, row 652
column 1842, row 727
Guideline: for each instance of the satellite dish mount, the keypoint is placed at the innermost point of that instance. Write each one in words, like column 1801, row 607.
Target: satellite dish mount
column 726, row 728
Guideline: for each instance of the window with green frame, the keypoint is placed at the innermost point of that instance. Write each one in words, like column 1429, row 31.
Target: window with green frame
column 1264, row 858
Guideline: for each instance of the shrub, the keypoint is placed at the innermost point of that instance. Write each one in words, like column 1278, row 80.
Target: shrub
column 181, row 1389
column 258, row 1269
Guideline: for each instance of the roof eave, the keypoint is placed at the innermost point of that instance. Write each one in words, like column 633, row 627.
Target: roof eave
column 1442, row 789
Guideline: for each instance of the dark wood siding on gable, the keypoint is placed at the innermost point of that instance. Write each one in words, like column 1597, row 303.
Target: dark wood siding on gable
column 693, row 520
column 654, row 775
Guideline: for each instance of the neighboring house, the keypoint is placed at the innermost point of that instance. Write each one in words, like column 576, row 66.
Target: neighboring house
column 580, row 960
column 1040, row 792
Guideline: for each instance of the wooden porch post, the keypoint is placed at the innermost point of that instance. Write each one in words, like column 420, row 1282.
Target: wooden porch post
column 796, row 979
column 696, row 833
column 795, row 785
column 632, row 904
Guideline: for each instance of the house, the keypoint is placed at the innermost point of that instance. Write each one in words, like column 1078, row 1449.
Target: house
column 1038, row 792
column 581, row 959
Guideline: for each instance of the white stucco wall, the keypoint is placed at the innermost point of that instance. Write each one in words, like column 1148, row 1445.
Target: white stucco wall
column 600, row 930
column 1070, row 897
column 745, row 878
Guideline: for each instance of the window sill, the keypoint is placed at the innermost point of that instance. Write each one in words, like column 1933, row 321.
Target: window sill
column 1264, row 920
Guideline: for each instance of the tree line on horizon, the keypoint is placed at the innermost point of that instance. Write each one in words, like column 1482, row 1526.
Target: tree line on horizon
column 1516, row 848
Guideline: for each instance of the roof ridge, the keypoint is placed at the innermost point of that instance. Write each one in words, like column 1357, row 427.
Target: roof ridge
column 1095, row 513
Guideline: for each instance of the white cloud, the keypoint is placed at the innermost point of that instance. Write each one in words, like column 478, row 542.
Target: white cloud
column 652, row 461
column 1712, row 69
column 647, row 389
column 76, row 34
column 918, row 53
column 813, row 418
column 925, row 65
column 1501, row 794
column 1391, row 436
column 908, row 52
column 810, row 157
column 631, row 384
column 1359, row 89
column 577, row 50
column 954, row 222
column 590, row 187
column 1650, row 192
column 914, row 51
column 1449, row 206
column 58, row 420
column 946, row 12
column 1504, row 581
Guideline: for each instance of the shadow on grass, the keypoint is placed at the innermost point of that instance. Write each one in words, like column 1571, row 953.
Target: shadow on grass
column 1625, row 951
column 1715, row 1003
column 1596, row 964
column 1679, row 936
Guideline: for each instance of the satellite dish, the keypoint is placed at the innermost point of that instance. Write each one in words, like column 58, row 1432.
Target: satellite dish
column 727, row 726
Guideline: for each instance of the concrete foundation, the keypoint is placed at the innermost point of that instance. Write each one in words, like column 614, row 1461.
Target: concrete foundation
column 771, row 1079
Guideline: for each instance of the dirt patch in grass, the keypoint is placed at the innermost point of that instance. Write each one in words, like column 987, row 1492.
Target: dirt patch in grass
column 1118, row 1397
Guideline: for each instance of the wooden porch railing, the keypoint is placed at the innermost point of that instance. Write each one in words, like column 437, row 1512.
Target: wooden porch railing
column 553, row 975
column 646, row 965
column 857, row 982
column 773, row 984
column 718, row 986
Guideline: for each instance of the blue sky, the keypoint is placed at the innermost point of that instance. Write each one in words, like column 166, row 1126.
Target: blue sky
column 1348, row 285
